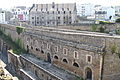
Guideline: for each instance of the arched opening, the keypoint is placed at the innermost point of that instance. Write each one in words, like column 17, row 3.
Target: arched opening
column 42, row 51
column 27, row 49
column 88, row 73
column 48, row 57
column 75, row 64
column 65, row 60
column 55, row 57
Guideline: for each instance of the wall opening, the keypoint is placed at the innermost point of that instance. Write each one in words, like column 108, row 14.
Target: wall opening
column 48, row 57
column 88, row 73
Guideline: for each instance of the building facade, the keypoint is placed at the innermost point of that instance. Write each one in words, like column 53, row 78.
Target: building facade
column 85, row 9
column 53, row 14
column 21, row 12
column 117, row 11
column 2, row 17
column 105, row 13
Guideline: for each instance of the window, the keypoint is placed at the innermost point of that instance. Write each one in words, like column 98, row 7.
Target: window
column 68, row 9
column 64, row 12
column 53, row 12
column 42, row 51
column 47, row 22
column 48, row 12
column 58, row 17
column 37, row 22
column 75, row 54
column 58, row 12
column 41, row 9
column 65, row 60
column 37, row 49
column 75, row 64
column 37, row 17
column 48, row 46
column 89, row 59
column 32, row 17
column 31, row 47
column 63, row 9
column 56, row 49
column 55, row 57
column 65, row 51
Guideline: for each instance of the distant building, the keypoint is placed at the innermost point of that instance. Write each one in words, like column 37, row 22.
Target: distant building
column 53, row 14
column 2, row 17
column 85, row 9
column 117, row 11
column 21, row 12
column 105, row 13
column 8, row 16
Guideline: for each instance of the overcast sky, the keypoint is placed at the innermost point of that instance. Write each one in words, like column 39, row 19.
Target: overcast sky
column 12, row 3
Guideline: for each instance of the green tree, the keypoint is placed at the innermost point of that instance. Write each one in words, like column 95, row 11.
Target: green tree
column 117, row 20
column 94, row 28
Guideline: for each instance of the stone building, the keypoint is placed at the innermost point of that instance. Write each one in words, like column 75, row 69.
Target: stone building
column 53, row 14
column 94, row 56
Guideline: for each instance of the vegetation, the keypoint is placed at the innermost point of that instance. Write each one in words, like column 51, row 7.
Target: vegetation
column 117, row 20
column 19, row 29
column 94, row 28
column 78, row 78
column 102, row 29
column 17, row 49
column 105, row 22
column 113, row 49
column 118, row 30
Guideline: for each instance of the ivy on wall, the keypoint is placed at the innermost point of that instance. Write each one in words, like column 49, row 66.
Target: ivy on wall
column 20, row 29
column 15, row 45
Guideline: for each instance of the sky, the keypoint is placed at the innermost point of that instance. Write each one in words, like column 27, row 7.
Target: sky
column 7, row 4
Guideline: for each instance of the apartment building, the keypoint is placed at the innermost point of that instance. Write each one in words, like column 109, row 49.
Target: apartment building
column 21, row 12
column 53, row 14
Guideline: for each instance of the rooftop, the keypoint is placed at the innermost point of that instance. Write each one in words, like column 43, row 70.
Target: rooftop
column 51, row 69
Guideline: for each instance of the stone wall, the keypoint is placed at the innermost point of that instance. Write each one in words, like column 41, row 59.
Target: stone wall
column 96, row 45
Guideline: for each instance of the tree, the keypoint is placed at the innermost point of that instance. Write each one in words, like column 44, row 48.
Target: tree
column 117, row 20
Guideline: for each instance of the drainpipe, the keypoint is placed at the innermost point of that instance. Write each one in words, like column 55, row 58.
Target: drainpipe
column 102, row 66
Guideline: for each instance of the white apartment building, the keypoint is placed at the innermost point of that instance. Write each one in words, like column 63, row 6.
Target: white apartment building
column 53, row 14
column 21, row 12
column 117, row 11
column 2, row 17
column 105, row 13
column 85, row 9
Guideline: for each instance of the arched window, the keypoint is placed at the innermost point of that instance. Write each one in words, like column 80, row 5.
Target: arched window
column 55, row 57
column 42, row 51
column 88, row 73
column 75, row 64
column 65, row 60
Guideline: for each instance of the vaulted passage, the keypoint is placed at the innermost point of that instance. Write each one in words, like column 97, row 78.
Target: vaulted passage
column 48, row 57
column 88, row 73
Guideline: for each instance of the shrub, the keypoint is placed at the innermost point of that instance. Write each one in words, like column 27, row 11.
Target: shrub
column 94, row 28
column 19, row 29
column 101, row 29
column 118, row 30
column 113, row 49
column 117, row 20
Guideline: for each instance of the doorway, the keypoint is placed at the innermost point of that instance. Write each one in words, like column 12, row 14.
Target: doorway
column 88, row 73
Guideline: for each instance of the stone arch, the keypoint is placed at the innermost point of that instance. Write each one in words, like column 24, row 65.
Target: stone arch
column 76, row 64
column 88, row 73
column 48, row 57
column 65, row 60
column 56, row 57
